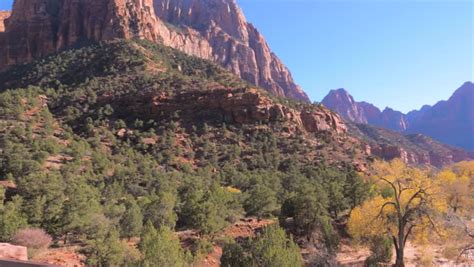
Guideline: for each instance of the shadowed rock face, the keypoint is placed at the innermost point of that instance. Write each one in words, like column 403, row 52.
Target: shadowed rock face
column 450, row 122
column 215, row 30
column 361, row 112
column 343, row 103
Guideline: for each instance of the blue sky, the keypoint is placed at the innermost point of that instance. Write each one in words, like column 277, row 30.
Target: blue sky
column 397, row 53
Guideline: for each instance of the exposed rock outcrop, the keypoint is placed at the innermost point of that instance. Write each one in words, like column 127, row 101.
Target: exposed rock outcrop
column 11, row 252
column 239, row 106
column 3, row 16
column 392, row 119
column 236, row 44
column 215, row 30
column 41, row 27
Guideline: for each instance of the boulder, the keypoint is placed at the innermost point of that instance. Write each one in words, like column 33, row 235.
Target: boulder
column 11, row 252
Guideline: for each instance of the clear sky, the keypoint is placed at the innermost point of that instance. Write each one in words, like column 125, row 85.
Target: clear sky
column 397, row 53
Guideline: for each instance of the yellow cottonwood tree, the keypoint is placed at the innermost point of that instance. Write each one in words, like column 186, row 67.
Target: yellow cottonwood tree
column 457, row 183
column 456, row 190
column 409, row 208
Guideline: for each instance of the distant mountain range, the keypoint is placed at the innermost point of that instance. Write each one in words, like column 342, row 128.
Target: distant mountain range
column 450, row 121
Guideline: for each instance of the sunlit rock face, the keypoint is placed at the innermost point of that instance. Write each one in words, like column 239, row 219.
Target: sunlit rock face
column 41, row 27
column 215, row 30
column 233, row 42
column 3, row 16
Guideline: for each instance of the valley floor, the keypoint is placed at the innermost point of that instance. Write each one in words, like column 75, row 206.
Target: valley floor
column 348, row 255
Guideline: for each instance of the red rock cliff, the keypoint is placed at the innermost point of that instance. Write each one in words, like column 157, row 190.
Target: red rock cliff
column 233, row 43
column 215, row 30
column 40, row 27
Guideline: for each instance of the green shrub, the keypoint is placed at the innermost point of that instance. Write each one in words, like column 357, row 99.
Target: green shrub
column 381, row 248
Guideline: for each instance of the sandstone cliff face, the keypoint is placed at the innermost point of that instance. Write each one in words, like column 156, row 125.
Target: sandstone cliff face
column 41, row 27
column 235, row 44
column 3, row 16
column 237, row 106
column 420, row 157
column 392, row 119
column 215, row 30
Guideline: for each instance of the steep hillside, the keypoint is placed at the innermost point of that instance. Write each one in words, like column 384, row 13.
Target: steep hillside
column 160, row 84
column 222, row 36
column 91, row 134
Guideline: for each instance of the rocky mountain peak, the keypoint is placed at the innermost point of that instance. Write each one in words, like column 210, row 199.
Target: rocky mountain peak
column 361, row 112
column 465, row 91
column 343, row 103
column 225, row 14
column 342, row 94
column 450, row 121
column 394, row 120
column 231, row 41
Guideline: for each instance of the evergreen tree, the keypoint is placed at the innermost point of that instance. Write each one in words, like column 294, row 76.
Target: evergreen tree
column 132, row 220
column 307, row 207
column 261, row 201
column 273, row 248
column 234, row 255
column 161, row 210
column 105, row 248
column 160, row 248
column 11, row 218
column 81, row 207
column 44, row 198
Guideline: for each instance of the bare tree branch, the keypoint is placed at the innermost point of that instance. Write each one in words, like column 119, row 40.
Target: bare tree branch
column 408, row 234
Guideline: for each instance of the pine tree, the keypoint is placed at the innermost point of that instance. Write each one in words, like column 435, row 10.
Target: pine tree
column 105, row 248
column 161, row 210
column 273, row 248
column 160, row 247
column 11, row 218
column 131, row 223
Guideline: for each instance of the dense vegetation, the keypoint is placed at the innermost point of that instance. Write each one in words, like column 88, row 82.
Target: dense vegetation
column 90, row 171
column 415, row 205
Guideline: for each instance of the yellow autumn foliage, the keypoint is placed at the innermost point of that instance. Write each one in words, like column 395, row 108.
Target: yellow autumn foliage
column 415, row 204
column 456, row 186
column 415, row 195
column 365, row 220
